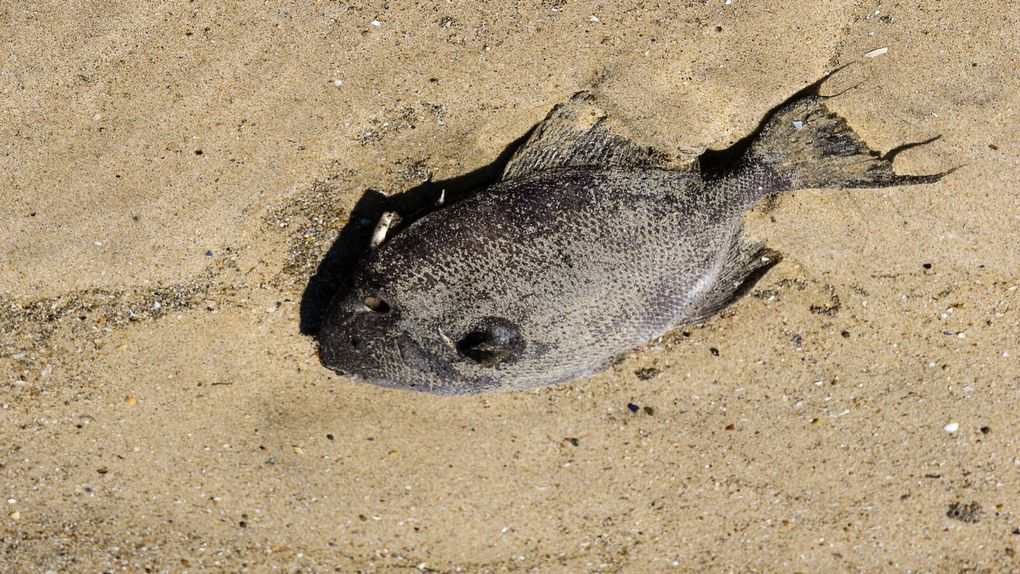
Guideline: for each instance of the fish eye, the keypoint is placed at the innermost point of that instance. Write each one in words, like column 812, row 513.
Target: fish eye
column 376, row 305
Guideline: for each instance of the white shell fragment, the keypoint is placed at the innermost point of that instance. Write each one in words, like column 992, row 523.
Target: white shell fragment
column 876, row 53
column 381, row 228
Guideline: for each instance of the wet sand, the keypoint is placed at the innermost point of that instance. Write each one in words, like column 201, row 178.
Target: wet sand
column 173, row 176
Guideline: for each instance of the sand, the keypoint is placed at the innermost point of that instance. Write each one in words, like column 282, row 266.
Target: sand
column 172, row 175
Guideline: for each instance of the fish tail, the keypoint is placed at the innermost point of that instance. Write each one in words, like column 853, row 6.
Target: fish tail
column 802, row 144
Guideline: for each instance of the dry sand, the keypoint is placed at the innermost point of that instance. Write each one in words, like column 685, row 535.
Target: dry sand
column 204, row 435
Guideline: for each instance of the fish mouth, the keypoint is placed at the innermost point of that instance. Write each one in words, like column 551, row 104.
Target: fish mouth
column 426, row 371
column 378, row 350
column 396, row 361
column 411, row 353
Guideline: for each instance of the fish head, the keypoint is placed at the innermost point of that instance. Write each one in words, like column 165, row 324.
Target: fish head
column 378, row 334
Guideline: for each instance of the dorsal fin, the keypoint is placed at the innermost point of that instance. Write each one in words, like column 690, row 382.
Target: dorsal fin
column 578, row 133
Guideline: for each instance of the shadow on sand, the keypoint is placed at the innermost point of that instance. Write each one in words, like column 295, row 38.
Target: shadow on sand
column 352, row 243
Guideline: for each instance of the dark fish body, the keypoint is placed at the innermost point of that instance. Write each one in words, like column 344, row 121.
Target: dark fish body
column 587, row 248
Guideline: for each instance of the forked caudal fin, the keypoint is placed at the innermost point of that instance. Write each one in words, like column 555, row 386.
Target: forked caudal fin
column 805, row 145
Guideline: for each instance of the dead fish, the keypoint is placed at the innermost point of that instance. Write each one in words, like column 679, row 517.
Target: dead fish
column 589, row 246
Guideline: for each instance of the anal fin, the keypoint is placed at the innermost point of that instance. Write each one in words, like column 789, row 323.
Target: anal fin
column 746, row 264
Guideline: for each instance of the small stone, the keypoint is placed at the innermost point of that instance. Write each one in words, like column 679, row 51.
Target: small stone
column 130, row 400
column 876, row 53
column 646, row 373
column 951, row 427
column 633, row 408
column 970, row 512
column 15, row 515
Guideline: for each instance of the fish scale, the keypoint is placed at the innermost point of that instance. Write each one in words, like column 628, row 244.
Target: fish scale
column 589, row 246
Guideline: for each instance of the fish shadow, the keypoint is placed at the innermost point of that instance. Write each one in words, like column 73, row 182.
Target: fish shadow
column 352, row 244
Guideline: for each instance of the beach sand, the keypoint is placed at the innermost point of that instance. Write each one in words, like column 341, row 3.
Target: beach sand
column 172, row 175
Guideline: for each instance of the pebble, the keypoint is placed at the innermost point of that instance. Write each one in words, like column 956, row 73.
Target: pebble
column 15, row 515
column 951, row 427
column 876, row 53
